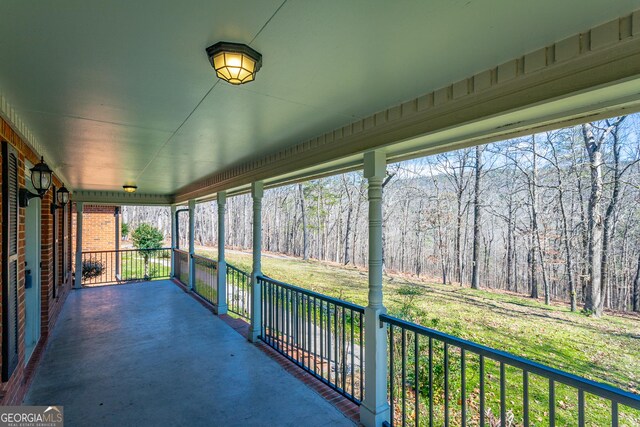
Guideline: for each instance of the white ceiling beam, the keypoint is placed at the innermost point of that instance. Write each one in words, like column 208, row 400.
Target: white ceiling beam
column 120, row 198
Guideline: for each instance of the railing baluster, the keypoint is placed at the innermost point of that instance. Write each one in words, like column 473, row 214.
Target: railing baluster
column 614, row 414
column 272, row 320
column 329, row 342
column 503, row 396
column 463, row 388
column 580, row 408
column 336, row 347
column 446, row 385
column 287, row 320
column 416, row 361
column 263, row 327
column 482, row 396
column 277, row 328
column 297, row 321
column 343, row 371
column 525, row 397
column 362, row 344
column 404, row 376
column 392, row 374
column 315, row 338
column 552, row 403
column 430, row 382
column 303, row 329
column 321, row 339
column 310, row 336
column 353, row 366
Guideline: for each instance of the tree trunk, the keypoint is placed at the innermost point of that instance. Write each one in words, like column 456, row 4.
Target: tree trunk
column 475, row 280
column 636, row 289
column 305, row 232
column 593, row 300
column 609, row 218
column 533, row 279
column 567, row 248
column 457, row 249
column 509, row 275
column 347, row 233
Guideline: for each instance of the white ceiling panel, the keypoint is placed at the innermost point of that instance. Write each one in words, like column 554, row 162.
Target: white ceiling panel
column 122, row 91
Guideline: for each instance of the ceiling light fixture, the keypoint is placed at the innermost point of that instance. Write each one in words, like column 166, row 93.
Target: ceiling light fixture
column 234, row 62
column 129, row 188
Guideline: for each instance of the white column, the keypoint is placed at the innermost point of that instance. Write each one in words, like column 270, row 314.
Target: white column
column 78, row 284
column 173, row 240
column 117, row 240
column 375, row 408
column 222, row 263
column 192, row 246
column 256, row 307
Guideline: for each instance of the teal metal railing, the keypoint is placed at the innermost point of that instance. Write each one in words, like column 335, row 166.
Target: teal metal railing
column 437, row 379
column 320, row 334
column 206, row 278
column 181, row 263
column 115, row 266
column 239, row 292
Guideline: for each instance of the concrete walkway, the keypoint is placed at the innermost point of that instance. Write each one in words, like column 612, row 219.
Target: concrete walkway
column 146, row 354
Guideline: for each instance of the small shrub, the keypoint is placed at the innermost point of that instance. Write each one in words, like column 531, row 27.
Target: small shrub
column 124, row 229
column 147, row 237
column 91, row 269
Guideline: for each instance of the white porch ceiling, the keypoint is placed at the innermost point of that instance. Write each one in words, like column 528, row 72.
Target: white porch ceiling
column 122, row 91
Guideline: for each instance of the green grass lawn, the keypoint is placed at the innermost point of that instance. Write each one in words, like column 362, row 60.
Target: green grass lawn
column 605, row 349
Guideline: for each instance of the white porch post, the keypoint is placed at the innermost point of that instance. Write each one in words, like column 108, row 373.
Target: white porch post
column 255, row 327
column 78, row 284
column 222, row 263
column 192, row 246
column 173, row 240
column 375, row 409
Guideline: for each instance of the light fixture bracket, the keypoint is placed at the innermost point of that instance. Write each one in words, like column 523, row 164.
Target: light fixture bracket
column 24, row 196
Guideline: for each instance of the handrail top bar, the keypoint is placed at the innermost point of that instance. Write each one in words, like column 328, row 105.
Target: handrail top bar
column 327, row 298
column 180, row 251
column 600, row 389
column 126, row 250
column 203, row 258
column 233, row 267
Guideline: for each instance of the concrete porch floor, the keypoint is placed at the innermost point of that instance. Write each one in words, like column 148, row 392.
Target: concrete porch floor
column 147, row 354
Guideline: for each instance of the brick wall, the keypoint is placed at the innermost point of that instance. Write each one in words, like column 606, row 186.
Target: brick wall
column 12, row 391
column 98, row 228
column 99, row 234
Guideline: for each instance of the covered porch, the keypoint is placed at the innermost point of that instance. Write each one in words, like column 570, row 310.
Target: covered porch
column 128, row 101
column 147, row 354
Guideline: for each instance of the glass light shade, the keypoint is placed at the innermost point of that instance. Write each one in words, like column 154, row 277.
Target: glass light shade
column 234, row 63
column 62, row 196
column 41, row 177
column 129, row 188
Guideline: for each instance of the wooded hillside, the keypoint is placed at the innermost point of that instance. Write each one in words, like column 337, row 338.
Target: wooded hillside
column 555, row 215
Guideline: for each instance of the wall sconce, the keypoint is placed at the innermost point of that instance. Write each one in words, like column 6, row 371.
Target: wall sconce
column 41, row 180
column 129, row 188
column 62, row 197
